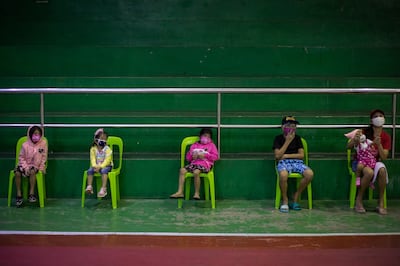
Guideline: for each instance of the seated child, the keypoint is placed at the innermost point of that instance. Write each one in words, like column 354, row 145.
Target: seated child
column 32, row 158
column 201, row 157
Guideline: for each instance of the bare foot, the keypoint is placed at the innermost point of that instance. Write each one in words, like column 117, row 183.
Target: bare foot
column 177, row 195
column 381, row 211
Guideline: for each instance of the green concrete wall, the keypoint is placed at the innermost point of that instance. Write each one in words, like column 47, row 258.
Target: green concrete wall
column 184, row 43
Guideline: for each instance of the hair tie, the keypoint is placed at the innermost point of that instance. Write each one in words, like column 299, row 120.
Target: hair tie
column 98, row 131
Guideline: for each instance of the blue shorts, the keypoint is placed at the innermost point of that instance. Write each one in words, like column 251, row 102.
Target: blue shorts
column 292, row 166
column 103, row 171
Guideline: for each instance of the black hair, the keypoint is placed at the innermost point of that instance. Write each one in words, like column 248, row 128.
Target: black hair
column 33, row 129
column 206, row 131
column 98, row 136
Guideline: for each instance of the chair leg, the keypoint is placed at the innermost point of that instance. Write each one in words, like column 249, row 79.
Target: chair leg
column 353, row 191
column 84, row 188
column 10, row 187
column 206, row 188
column 212, row 190
column 309, row 190
column 277, row 194
column 39, row 184
column 113, row 187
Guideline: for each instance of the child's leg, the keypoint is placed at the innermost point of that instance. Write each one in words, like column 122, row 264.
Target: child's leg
column 18, row 176
column 104, row 180
column 283, row 177
column 359, row 170
column 179, row 193
column 197, row 182
column 32, row 183
column 89, row 187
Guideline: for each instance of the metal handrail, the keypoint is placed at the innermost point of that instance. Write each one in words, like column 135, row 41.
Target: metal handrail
column 218, row 91
column 200, row 90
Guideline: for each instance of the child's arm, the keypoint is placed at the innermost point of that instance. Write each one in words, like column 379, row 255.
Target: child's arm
column 93, row 157
column 189, row 154
column 212, row 154
column 42, row 166
column 107, row 160
column 21, row 158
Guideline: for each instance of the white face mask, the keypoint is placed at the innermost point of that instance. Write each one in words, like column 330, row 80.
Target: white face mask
column 378, row 121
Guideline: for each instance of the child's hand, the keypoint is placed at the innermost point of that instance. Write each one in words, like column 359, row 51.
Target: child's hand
column 201, row 156
column 195, row 156
column 96, row 169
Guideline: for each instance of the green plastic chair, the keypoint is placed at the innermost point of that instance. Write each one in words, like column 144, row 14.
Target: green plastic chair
column 353, row 187
column 298, row 177
column 113, row 175
column 40, row 178
column 209, row 186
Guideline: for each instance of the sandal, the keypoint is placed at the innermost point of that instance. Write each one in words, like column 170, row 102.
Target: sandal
column 176, row 196
column 89, row 189
column 102, row 193
column 19, row 201
column 32, row 198
column 284, row 208
column 196, row 197
column 295, row 206
column 360, row 210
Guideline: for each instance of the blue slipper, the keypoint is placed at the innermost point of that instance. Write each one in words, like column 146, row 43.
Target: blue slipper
column 295, row 206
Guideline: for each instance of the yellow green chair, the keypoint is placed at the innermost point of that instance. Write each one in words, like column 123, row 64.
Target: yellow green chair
column 353, row 187
column 40, row 179
column 113, row 175
column 209, row 185
column 298, row 177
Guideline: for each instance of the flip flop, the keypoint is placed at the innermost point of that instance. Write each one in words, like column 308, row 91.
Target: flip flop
column 284, row 208
column 295, row 206
column 174, row 196
column 360, row 210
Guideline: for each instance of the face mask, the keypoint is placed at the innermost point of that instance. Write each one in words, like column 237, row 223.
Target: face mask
column 101, row 142
column 36, row 137
column 378, row 121
column 288, row 130
column 205, row 140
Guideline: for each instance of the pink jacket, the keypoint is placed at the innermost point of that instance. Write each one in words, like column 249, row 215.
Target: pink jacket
column 33, row 154
column 210, row 156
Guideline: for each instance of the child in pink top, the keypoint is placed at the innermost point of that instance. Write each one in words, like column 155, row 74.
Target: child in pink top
column 201, row 157
column 32, row 158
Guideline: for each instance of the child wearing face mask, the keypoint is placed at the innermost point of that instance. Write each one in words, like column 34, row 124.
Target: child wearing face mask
column 289, row 154
column 100, row 161
column 201, row 157
column 381, row 144
column 32, row 158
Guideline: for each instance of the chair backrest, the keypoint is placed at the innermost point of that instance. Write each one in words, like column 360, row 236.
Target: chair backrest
column 185, row 143
column 305, row 148
column 21, row 141
column 116, row 141
column 349, row 159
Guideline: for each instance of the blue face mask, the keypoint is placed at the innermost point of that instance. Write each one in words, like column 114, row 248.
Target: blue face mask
column 101, row 142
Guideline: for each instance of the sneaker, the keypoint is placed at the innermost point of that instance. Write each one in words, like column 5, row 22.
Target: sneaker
column 32, row 198
column 358, row 181
column 89, row 189
column 102, row 193
column 19, row 201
